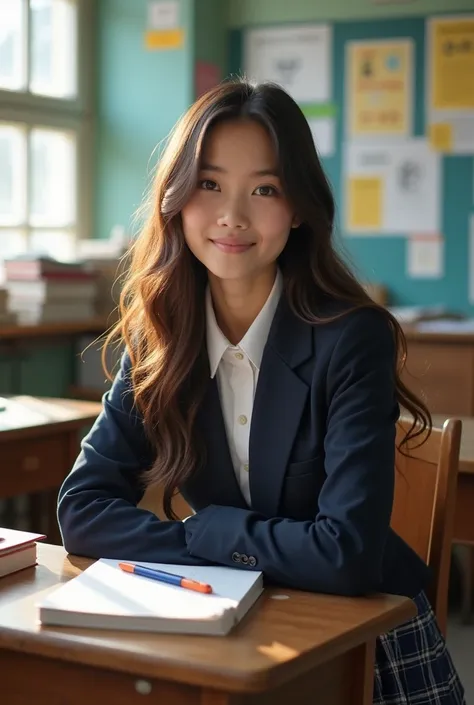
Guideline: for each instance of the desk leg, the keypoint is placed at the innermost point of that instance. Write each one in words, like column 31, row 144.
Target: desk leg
column 466, row 553
column 364, row 673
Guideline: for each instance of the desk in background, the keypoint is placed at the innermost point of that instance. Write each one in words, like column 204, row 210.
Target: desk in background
column 440, row 367
column 39, row 441
column 307, row 648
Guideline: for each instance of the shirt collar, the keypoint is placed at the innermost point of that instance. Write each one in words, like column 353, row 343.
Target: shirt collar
column 254, row 341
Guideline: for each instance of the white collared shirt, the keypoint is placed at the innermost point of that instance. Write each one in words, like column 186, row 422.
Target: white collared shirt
column 237, row 369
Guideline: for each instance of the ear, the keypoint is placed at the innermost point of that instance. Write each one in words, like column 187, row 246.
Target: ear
column 296, row 222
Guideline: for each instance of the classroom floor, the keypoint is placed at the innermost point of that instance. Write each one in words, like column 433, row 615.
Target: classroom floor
column 461, row 645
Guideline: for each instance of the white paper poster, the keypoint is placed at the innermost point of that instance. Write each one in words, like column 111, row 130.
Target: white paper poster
column 163, row 14
column 298, row 58
column 425, row 257
column 323, row 130
column 393, row 190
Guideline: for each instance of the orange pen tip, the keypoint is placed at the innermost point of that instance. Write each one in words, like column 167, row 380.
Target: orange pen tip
column 197, row 587
column 126, row 567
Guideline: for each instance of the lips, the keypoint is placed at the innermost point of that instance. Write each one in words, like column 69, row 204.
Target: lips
column 232, row 246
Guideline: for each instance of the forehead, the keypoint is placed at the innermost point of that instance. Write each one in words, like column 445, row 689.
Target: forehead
column 243, row 143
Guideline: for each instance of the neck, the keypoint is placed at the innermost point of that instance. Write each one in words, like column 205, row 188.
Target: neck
column 237, row 303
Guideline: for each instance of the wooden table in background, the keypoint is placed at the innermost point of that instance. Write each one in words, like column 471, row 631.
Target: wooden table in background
column 307, row 648
column 39, row 442
column 441, row 367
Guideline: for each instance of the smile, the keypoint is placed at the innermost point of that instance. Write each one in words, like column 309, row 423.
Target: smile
column 233, row 249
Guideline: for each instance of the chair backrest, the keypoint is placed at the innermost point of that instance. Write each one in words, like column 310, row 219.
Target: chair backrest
column 424, row 503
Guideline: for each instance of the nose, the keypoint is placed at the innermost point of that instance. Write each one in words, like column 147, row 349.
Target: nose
column 233, row 216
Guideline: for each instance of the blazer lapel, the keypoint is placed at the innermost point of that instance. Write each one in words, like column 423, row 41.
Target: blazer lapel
column 279, row 403
column 216, row 479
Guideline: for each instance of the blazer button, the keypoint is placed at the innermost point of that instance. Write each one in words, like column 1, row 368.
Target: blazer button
column 236, row 557
column 252, row 561
column 244, row 559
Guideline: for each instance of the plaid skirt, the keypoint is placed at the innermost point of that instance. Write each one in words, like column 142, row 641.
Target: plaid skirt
column 413, row 665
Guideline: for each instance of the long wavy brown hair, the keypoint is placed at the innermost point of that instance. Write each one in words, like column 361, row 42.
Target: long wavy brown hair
column 162, row 321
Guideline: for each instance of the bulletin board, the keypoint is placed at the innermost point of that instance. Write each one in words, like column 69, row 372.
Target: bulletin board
column 383, row 257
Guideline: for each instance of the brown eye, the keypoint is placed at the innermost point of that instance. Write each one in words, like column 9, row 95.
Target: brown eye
column 266, row 191
column 208, row 185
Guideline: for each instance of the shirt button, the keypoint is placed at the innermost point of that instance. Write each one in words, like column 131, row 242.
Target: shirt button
column 246, row 467
column 242, row 420
column 239, row 356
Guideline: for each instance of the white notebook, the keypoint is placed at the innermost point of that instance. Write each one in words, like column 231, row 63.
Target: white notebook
column 104, row 597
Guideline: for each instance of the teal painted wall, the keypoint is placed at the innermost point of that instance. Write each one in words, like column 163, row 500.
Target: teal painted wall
column 382, row 259
column 140, row 95
column 243, row 13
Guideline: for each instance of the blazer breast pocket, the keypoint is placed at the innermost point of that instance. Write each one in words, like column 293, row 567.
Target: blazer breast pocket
column 305, row 467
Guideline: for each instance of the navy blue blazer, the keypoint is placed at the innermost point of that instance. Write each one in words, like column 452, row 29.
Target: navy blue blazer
column 321, row 456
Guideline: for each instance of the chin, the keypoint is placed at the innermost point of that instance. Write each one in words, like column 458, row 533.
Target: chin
column 230, row 271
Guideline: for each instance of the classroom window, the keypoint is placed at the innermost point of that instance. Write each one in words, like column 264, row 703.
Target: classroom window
column 45, row 125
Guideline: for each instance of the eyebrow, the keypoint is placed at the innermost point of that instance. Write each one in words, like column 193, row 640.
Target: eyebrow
column 221, row 170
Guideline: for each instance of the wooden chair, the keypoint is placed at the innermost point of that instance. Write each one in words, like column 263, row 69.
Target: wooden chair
column 424, row 504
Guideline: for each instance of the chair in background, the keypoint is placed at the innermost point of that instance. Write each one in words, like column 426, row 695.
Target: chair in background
column 424, row 504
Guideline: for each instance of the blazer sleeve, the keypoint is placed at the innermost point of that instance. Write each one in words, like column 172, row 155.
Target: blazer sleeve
column 97, row 507
column 341, row 550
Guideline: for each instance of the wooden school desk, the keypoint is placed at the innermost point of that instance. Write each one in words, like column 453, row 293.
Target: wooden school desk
column 39, row 441
column 304, row 649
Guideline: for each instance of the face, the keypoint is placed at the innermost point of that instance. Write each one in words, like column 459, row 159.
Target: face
column 238, row 220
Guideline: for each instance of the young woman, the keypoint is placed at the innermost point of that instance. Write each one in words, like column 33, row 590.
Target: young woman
column 261, row 382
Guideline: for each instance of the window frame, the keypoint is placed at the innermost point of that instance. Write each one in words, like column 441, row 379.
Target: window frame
column 30, row 110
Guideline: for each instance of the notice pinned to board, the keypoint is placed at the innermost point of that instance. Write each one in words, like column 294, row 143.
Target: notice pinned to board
column 163, row 25
column 365, row 203
column 163, row 14
column 164, row 39
column 450, row 84
column 425, row 257
column 400, row 183
column 441, row 136
column 298, row 58
column 379, row 88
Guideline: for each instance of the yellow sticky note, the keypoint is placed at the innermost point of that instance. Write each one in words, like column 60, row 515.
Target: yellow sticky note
column 441, row 136
column 365, row 202
column 164, row 39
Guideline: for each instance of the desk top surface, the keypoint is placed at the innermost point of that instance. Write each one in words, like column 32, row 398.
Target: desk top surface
column 277, row 640
column 25, row 416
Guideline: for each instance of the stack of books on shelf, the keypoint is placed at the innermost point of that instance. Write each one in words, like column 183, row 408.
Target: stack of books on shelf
column 43, row 290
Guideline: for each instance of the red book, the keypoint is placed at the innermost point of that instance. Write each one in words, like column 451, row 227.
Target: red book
column 17, row 550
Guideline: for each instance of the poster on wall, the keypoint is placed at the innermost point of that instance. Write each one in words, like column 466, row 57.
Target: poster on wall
column 425, row 257
column 298, row 58
column 450, row 83
column 393, row 189
column 470, row 263
column 163, row 26
column 379, row 88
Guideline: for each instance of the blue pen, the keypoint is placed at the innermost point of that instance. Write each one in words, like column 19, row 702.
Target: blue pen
column 164, row 577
